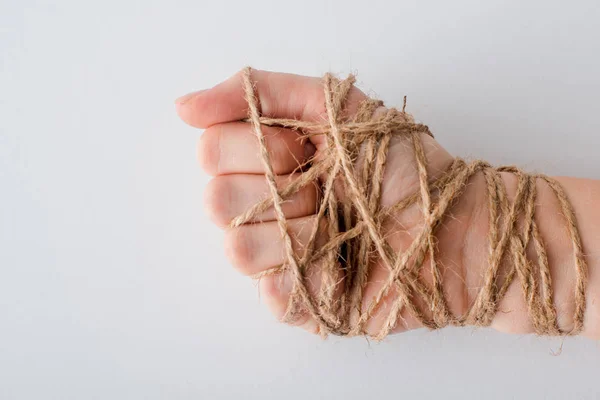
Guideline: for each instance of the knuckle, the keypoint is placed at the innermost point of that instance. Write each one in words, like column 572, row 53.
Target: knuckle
column 285, row 150
column 216, row 201
column 309, row 199
column 208, row 151
column 278, row 153
column 239, row 250
column 275, row 289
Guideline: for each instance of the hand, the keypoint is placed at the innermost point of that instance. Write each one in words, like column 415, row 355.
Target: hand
column 228, row 150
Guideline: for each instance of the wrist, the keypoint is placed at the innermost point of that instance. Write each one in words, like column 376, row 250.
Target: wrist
column 512, row 313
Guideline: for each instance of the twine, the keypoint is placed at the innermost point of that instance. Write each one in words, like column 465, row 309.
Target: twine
column 354, row 225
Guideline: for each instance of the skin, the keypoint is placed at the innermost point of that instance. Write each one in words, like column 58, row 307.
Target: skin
column 228, row 151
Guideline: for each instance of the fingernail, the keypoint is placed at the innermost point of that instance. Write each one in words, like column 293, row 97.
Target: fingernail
column 188, row 97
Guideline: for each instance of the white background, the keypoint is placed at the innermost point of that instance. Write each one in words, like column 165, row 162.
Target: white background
column 113, row 284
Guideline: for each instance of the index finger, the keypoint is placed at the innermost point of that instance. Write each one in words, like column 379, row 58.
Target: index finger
column 280, row 95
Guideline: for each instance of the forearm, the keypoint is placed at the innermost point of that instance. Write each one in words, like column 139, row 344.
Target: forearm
column 464, row 251
column 513, row 313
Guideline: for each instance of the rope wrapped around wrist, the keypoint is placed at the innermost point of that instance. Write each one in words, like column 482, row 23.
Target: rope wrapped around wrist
column 354, row 222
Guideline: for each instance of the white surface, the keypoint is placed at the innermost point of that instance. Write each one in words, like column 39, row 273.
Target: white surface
column 113, row 284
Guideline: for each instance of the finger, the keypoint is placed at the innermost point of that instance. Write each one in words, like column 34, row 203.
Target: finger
column 232, row 148
column 280, row 96
column 275, row 291
column 228, row 196
column 254, row 248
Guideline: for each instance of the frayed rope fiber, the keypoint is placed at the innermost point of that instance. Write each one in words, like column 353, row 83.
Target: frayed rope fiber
column 353, row 223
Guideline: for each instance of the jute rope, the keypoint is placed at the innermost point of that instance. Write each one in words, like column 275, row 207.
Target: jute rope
column 354, row 225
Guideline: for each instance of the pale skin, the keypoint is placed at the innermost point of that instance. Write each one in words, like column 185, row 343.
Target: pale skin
column 228, row 151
